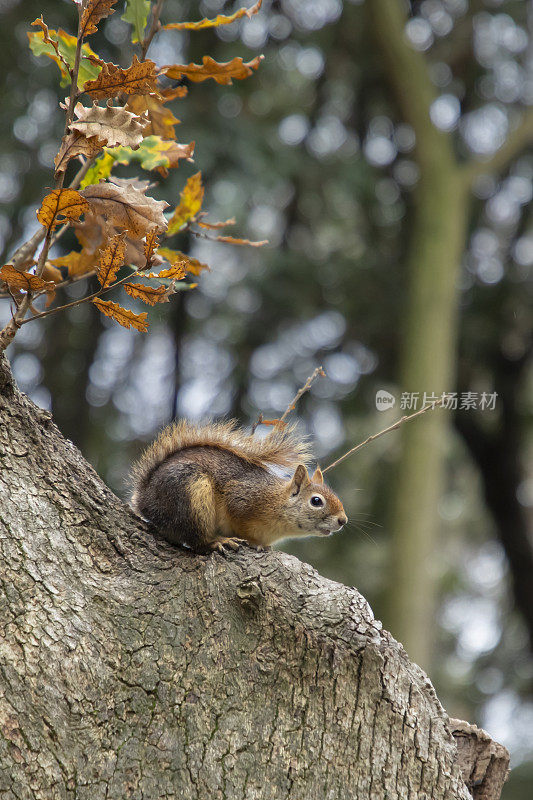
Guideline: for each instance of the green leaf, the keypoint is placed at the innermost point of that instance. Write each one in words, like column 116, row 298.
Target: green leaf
column 137, row 15
column 67, row 47
column 100, row 170
column 153, row 152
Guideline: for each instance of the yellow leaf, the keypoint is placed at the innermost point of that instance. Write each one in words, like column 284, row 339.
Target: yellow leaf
column 190, row 264
column 100, row 170
column 148, row 294
column 175, row 273
column 94, row 11
column 220, row 19
column 76, row 263
column 23, row 280
column 139, row 78
column 222, row 73
column 59, row 205
column 111, row 260
column 51, row 273
column 233, row 240
column 123, row 316
column 161, row 120
column 191, row 202
column 150, row 246
column 214, row 225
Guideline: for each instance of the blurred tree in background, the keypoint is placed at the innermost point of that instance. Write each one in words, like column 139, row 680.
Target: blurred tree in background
column 383, row 151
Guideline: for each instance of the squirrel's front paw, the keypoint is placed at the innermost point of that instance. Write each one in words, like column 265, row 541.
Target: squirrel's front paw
column 226, row 542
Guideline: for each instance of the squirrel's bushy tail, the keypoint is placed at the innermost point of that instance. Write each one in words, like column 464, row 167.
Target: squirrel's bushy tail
column 281, row 447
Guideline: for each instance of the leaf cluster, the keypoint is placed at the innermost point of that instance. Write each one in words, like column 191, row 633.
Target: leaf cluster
column 116, row 222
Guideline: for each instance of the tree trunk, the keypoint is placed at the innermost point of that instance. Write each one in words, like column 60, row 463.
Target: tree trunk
column 131, row 669
column 427, row 365
column 428, row 344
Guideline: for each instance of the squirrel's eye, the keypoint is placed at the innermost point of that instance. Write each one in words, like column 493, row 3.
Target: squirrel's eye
column 316, row 501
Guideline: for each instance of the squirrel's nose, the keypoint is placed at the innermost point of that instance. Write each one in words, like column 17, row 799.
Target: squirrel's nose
column 342, row 520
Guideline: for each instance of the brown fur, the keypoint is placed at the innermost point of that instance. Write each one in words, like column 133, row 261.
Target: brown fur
column 204, row 486
column 280, row 447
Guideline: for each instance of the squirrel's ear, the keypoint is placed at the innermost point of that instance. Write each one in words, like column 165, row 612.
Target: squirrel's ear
column 300, row 478
column 317, row 476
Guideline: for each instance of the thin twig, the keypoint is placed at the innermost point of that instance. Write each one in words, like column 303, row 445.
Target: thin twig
column 307, row 385
column 154, row 27
column 390, row 428
column 257, row 423
column 26, row 250
column 101, row 290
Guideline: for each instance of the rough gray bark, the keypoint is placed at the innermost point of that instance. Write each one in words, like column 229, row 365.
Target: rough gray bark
column 131, row 669
column 484, row 763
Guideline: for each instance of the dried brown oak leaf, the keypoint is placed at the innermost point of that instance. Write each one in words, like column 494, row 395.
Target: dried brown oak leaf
column 161, row 120
column 59, row 205
column 48, row 40
column 23, row 280
column 51, row 273
column 123, row 316
column 76, row 144
column 94, row 11
column 233, row 240
column 139, row 78
column 137, row 183
column 176, row 272
column 76, row 263
column 111, row 260
column 220, row 19
column 150, row 246
column 126, row 208
column 213, row 226
column 148, row 294
column 113, row 125
column 95, row 230
column 222, row 72
column 177, row 258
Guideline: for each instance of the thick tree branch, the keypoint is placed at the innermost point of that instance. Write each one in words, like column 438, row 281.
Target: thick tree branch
column 407, row 73
column 133, row 669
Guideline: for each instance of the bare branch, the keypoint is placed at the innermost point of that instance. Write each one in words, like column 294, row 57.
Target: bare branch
column 307, row 385
column 393, row 427
column 154, row 27
column 406, row 70
column 100, row 291
column 257, row 423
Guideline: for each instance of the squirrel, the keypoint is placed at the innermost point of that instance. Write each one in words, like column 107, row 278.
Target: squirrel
column 214, row 486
